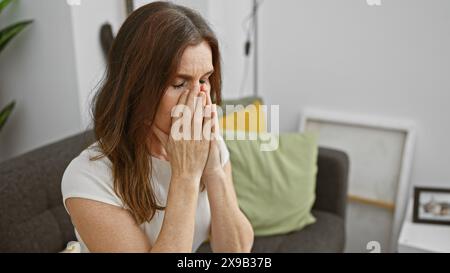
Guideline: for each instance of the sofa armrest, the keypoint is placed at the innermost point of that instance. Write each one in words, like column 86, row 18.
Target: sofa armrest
column 332, row 181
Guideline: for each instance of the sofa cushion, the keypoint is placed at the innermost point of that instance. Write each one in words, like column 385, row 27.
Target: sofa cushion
column 275, row 189
column 327, row 234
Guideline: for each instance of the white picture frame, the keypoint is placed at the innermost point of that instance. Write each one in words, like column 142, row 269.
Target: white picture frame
column 311, row 118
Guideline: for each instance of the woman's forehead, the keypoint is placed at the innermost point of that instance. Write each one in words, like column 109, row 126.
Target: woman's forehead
column 196, row 59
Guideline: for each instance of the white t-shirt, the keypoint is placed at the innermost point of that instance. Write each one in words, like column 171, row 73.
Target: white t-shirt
column 93, row 180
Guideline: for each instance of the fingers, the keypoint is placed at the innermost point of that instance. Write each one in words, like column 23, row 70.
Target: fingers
column 197, row 120
column 181, row 102
column 183, row 97
column 197, row 103
column 207, row 122
column 215, row 130
column 208, row 99
column 204, row 99
column 191, row 100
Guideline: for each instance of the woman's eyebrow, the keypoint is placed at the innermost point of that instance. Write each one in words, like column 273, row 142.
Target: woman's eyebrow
column 189, row 77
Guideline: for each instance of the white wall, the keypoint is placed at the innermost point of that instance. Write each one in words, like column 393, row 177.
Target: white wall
column 388, row 61
column 87, row 20
column 52, row 69
column 228, row 20
column 38, row 70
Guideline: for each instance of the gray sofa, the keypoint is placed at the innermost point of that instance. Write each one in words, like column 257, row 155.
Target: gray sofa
column 33, row 219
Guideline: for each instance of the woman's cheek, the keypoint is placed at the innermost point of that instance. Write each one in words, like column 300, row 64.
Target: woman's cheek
column 164, row 116
column 172, row 96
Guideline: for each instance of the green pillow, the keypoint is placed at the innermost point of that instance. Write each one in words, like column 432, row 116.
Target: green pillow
column 276, row 189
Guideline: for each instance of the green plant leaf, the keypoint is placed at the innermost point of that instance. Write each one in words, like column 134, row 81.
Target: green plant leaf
column 5, row 113
column 4, row 3
column 8, row 33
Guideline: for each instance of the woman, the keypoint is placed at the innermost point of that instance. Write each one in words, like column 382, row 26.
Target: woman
column 139, row 188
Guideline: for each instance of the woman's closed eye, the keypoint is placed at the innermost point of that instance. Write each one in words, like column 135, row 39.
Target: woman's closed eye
column 178, row 86
column 182, row 84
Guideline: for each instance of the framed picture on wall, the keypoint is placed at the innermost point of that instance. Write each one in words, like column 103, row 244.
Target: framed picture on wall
column 431, row 206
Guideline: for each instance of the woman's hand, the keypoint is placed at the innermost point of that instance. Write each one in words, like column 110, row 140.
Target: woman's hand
column 213, row 166
column 187, row 152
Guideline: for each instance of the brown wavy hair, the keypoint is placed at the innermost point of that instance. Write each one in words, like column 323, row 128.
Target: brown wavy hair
column 141, row 65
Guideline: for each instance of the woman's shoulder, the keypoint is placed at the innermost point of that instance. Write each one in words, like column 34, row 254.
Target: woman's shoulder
column 89, row 175
column 90, row 159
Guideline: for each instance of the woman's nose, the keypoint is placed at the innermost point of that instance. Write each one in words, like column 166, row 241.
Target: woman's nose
column 203, row 88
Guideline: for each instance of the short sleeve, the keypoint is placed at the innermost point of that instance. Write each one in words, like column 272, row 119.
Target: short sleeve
column 224, row 153
column 90, row 179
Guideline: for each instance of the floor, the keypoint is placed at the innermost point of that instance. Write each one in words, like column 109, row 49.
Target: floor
column 366, row 223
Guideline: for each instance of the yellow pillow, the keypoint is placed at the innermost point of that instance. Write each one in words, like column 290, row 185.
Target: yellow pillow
column 248, row 119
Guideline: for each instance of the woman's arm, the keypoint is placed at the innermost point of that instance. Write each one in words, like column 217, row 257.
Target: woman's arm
column 230, row 229
column 177, row 232
column 107, row 228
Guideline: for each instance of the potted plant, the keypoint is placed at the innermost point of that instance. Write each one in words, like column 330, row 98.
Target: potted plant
column 6, row 35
